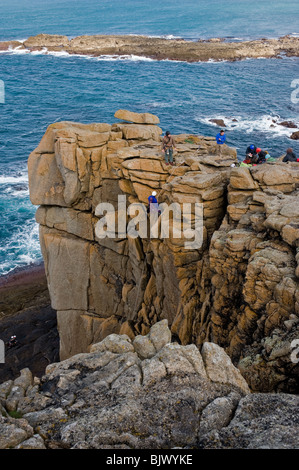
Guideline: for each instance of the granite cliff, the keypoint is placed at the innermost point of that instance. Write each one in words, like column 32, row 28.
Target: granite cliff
column 239, row 290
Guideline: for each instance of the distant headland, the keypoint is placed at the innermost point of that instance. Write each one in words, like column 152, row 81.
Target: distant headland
column 214, row 49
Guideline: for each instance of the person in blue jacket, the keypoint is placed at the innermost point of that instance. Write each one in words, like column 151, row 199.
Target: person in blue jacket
column 220, row 139
column 153, row 203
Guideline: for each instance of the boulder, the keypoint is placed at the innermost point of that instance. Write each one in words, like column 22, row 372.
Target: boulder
column 46, row 40
column 136, row 118
column 219, row 122
column 295, row 135
column 260, row 422
column 288, row 124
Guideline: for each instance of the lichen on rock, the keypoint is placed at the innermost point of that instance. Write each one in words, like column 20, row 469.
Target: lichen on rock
column 113, row 397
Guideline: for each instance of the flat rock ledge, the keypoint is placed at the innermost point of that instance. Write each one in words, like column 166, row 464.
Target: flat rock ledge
column 159, row 48
column 144, row 393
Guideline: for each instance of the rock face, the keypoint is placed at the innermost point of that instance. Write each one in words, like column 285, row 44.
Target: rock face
column 160, row 48
column 238, row 288
column 146, row 393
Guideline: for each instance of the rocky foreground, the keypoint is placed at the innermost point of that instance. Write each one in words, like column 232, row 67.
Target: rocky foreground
column 148, row 393
column 159, row 48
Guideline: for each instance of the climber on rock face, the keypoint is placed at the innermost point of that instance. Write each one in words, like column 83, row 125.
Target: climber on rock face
column 12, row 342
column 153, row 205
column 168, row 145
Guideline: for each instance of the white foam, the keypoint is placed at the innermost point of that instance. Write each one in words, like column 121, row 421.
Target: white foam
column 42, row 52
column 19, row 193
column 14, row 179
column 267, row 124
column 23, row 246
column 213, row 61
column 156, row 36
column 20, row 40
column 45, row 51
column 130, row 57
column 18, row 50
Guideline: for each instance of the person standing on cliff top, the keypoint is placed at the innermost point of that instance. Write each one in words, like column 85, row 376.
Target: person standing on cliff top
column 168, row 145
column 220, row 139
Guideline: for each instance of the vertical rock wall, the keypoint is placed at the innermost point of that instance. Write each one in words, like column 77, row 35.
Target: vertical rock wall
column 239, row 289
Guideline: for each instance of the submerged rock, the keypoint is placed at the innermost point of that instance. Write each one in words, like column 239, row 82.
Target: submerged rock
column 295, row 135
column 288, row 124
column 219, row 122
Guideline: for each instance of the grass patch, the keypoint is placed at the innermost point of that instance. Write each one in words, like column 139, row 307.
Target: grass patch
column 15, row 414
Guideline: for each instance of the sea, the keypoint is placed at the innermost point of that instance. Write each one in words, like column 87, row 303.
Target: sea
column 252, row 96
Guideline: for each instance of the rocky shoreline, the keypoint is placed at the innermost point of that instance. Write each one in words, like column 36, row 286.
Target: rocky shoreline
column 214, row 49
column 25, row 311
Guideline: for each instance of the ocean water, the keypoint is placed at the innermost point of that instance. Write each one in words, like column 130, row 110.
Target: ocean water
column 252, row 96
column 185, row 18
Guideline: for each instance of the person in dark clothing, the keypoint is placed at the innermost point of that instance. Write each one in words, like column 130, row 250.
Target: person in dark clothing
column 290, row 156
column 261, row 157
column 168, row 146
column 251, row 149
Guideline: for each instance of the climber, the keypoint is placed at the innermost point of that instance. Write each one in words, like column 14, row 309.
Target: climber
column 12, row 342
column 290, row 156
column 168, row 145
column 153, row 205
column 261, row 156
column 248, row 161
column 251, row 150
